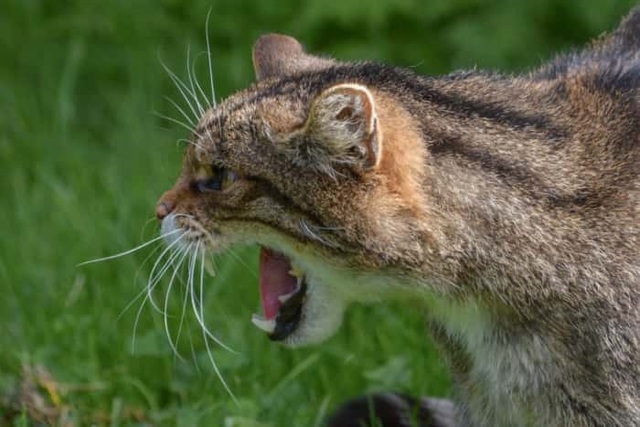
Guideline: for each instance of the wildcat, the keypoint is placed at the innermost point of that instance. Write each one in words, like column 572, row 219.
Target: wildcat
column 508, row 205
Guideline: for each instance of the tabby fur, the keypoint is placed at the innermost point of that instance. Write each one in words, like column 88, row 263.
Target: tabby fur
column 509, row 205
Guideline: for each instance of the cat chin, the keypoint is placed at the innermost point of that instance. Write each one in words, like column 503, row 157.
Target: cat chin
column 322, row 314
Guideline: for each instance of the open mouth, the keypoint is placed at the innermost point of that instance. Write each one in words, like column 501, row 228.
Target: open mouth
column 282, row 291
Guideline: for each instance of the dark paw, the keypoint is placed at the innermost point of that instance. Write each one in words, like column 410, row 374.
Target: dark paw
column 393, row 410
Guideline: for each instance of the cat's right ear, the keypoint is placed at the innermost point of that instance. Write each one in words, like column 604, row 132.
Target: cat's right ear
column 343, row 126
column 277, row 55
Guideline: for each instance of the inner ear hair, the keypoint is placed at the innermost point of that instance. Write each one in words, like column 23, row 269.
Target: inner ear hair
column 343, row 121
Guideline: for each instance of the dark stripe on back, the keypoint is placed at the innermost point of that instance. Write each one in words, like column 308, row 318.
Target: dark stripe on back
column 402, row 83
column 515, row 175
column 421, row 88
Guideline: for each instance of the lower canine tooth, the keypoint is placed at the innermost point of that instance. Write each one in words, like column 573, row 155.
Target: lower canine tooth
column 295, row 272
column 266, row 325
column 285, row 297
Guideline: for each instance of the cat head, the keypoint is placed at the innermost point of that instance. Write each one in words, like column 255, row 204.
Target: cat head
column 319, row 166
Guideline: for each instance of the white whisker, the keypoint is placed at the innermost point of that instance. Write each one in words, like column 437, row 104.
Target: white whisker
column 187, row 96
column 185, row 303
column 155, row 278
column 200, row 90
column 150, row 220
column 306, row 229
column 174, row 346
column 194, row 94
column 182, row 215
column 135, row 279
column 182, row 87
column 188, row 119
column 242, row 262
column 188, row 141
column 178, row 122
column 127, row 252
column 148, row 290
column 198, row 312
column 204, row 330
column 329, row 228
column 193, row 353
column 206, row 29
column 151, row 287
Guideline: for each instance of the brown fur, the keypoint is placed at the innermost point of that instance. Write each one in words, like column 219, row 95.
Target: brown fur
column 511, row 200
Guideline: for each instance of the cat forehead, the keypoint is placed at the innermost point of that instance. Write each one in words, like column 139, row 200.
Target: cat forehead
column 236, row 128
column 251, row 111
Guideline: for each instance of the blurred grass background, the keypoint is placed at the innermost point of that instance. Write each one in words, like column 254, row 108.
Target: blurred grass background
column 83, row 159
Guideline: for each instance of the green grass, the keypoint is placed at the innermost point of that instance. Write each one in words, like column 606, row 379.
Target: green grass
column 83, row 159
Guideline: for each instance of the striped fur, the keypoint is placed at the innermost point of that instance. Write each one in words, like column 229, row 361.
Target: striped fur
column 510, row 205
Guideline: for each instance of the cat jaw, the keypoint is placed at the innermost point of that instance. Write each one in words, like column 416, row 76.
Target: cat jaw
column 330, row 286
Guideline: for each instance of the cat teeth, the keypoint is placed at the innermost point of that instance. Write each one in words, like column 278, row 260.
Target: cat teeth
column 267, row 325
column 285, row 297
column 296, row 272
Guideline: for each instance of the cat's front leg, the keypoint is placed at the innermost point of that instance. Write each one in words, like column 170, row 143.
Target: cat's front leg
column 394, row 410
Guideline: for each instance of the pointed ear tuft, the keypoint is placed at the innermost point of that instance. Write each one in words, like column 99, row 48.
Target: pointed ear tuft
column 343, row 123
column 277, row 55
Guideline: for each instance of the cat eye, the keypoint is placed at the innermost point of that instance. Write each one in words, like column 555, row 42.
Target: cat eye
column 220, row 179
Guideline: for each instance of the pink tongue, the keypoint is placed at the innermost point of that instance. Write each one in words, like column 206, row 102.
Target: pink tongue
column 275, row 280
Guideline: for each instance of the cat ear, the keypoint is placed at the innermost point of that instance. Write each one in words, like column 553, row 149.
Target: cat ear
column 276, row 55
column 343, row 123
column 627, row 36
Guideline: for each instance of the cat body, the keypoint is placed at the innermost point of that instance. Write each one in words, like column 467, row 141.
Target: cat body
column 509, row 206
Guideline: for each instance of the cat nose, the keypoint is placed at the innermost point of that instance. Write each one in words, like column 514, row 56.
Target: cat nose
column 163, row 209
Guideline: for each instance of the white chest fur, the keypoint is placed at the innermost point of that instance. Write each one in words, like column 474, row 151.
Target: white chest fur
column 509, row 374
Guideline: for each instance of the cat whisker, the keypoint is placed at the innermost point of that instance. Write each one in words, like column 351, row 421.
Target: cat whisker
column 185, row 303
column 207, row 131
column 198, row 308
column 154, row 278
column 309, row 232
column 189, row 120
column 204, row 331
column 182, row 87
column 210, row 265
column 171, row 262
column 242, row 262
column 322, row 227
column 183, row 215
column 149, row 220
column 188, row 141
column 191, row 81
column 198, row 86
column 135, row 279
column 178, row 122
column 209, row 60
column 149, row 287
column 194, row 357
column 174, row 346
column 129, row 251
